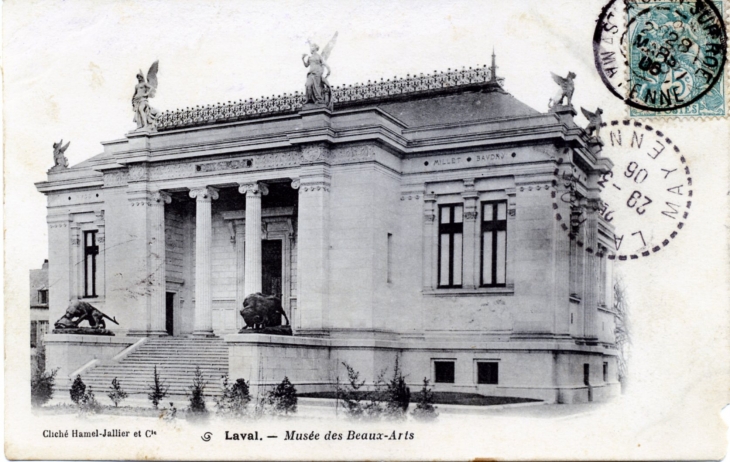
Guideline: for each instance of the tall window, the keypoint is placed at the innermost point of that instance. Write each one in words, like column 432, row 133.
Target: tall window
column 451, row 228
column 91, row 250
column 494, row 243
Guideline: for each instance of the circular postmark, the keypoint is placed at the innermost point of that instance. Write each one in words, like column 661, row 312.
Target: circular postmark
column 660, row 55
column 645, row 197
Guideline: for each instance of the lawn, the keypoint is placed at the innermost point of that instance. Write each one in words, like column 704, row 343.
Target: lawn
column 440, row 397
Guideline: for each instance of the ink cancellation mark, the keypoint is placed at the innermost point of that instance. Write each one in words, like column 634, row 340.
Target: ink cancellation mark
column 646, row 197
column 663, row 56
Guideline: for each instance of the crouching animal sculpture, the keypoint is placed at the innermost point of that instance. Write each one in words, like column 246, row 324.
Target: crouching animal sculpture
column 262, row 311
column 80, row 311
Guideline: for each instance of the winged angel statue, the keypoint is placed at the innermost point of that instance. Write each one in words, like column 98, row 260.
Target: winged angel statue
column 594, row 122
column 144, row 115
column 317, row 89
column 59, row 159
column 566, row 89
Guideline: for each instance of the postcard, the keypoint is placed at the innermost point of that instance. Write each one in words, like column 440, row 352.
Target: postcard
column 366, row 230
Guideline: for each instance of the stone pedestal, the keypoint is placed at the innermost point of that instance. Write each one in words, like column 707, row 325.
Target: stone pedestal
column 203, row 241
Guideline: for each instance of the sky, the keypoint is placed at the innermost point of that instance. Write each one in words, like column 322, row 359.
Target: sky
column 70, row 66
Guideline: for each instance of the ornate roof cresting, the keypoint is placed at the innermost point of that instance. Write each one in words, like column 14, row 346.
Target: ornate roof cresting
column 345, row 95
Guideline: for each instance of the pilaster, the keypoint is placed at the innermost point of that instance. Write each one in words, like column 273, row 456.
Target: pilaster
column 313, row 235
column 430, row 244
column 470, row 262
column 157, row 286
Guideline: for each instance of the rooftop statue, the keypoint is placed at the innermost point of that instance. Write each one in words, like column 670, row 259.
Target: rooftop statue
column 566, row 90
column 594, row 122
column 59, row 159
column 144, row 115
column 317, row 90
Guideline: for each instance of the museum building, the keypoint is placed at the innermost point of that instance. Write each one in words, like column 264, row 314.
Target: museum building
column 434, row 218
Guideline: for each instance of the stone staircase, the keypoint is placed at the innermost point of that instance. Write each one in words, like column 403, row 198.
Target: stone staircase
column 176, row 359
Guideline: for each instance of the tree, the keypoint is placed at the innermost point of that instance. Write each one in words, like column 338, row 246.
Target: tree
column 197, row 409
column 425, row 410
column 398, row 395
column 235, row 399
column 88, row 403
column 78, row 388
column 117, row 395
column 158, row 389
column 41, row 382
column 351, row 394
column 283, row 398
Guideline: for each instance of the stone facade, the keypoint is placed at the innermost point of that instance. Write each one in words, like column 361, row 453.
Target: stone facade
column 429, row 220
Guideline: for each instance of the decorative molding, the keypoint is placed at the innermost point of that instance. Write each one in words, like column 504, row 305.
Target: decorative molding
column 410, row 197
column 138, row 172
column 312, row 187
column 470, row 216
column 315, row 152
column 352, row 154
column 117, row 178
column 289, row 103
column 430, row 217
column 253, row 188
column 204, row 193
column 295, row 183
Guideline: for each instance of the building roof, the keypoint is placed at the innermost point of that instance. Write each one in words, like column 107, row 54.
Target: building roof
column 456, row 95
column 460, row 107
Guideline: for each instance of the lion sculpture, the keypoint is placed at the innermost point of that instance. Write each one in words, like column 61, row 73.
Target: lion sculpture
column 262, row 311
column 80, row 311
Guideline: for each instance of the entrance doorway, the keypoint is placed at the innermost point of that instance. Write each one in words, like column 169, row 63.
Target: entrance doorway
column 271, row 267
column 170, row 313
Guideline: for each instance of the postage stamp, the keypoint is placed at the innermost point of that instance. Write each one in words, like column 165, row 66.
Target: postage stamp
column 664, row 58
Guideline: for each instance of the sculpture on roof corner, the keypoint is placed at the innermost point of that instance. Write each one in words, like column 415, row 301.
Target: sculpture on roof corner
column 566, row 90
column 594, row 123
column 59, row 159
column 145, row 115
column 317, row 89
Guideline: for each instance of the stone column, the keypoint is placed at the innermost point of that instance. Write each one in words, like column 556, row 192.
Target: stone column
column 252, row 260
column 158, row 278
column 203, row 242
column 470, row 275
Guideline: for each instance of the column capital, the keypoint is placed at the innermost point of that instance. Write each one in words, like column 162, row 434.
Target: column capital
column 161, row 196
column 204, row 193
column 253, row 188
column 295, row 183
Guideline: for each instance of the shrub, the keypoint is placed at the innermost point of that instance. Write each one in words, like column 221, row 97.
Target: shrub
column 88, row 403
column 425, row 410
column 158, row 390
column 117, row 395
column 78, row 388
column 196, row 409
column 359, row 403
column 41, row 382
column 397, row 394
column 235, row 399
column 283, row 398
